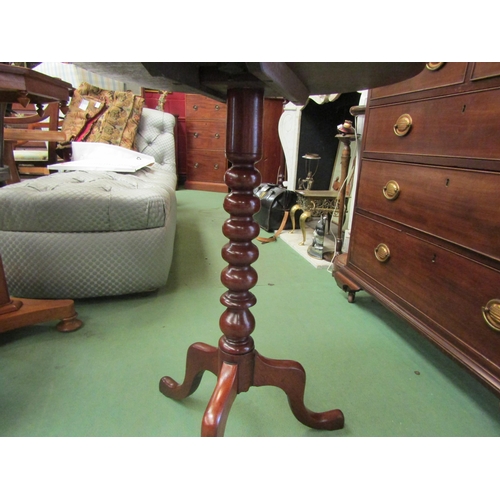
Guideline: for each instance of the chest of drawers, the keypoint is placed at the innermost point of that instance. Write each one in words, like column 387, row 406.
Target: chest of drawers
column 206, row 161
column 425, row 236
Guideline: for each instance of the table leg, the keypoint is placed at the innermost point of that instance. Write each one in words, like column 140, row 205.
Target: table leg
column 239, row 367
column 302, row 223
column 292, row 215
column 15, row 313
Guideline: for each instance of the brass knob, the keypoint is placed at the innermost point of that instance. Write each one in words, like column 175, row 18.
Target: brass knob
column 196, row 134
column 217, row 107
column 382, row 252
column 391, row 190
column 403, row 125
column 216, row 166
column 195, row 107
column 217, row 136
column 491, row 314
column 196, row 165
column 434, row 66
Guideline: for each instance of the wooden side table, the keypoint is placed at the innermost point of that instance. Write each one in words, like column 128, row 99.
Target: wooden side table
column 313, row 204
column 235, row 362
column 25, row 86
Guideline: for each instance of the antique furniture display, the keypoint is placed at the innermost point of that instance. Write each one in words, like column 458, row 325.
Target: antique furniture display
column 313, row 128
column 331, row 202
column 201, row 136
column 25, row 86
column 313, row 204
column 235, row 362
column 425, row 238
column 28, row 153
column 206, row 161
column 94, row 233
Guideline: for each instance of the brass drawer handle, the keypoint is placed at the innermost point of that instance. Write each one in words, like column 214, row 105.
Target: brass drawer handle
column 403, row 125
column 382, row 252
column 217, row 107
column 491, row 314
column 196, row 165
column 216, row 166
column 434, row 66
column 217, row 136
column 391, row 190
column 195, row 107
column 196, row 134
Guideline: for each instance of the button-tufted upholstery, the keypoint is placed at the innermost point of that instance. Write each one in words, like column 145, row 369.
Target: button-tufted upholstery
column 88, row 234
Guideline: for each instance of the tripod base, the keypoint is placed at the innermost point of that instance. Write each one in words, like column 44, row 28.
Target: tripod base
column 237, row 373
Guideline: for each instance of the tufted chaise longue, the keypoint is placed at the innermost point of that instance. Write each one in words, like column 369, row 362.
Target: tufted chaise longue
column 81, row 234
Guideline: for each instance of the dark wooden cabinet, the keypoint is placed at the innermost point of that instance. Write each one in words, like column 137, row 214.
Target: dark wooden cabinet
column 425, row 236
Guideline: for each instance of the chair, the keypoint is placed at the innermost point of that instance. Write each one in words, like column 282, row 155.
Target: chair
column 30, row 141
column 84, row 234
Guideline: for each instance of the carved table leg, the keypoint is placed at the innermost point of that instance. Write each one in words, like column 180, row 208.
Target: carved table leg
column 235, row 362
column 292, row 215
column 306, row 214
column 200, row 358
column 226, row 390
column 291, row 378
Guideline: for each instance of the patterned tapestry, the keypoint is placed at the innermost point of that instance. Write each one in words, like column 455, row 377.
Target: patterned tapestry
column 107, row 116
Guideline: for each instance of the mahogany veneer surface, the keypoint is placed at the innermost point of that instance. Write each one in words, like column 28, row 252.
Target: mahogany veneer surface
column 442, row 230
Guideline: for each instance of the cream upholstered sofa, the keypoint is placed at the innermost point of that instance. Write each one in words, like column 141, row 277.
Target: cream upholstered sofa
column 78, row 234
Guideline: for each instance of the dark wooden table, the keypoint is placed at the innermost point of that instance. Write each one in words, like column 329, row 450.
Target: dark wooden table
column 235, row 362
column 26, row 86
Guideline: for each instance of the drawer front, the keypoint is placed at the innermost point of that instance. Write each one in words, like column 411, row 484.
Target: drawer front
column 203, row 108
column 437, row 76
column 208, row 166
column 482, row 70
column 206, row 135
column 458, row 205
column 445, row 287
column 464, row 125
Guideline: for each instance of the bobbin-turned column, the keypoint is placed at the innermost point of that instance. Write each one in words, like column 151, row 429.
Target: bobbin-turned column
column 234, row 360
column 236, row 363
column 243, row 150
column 236, row 346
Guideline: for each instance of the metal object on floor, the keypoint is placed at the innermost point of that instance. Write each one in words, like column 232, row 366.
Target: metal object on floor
column 316, row 249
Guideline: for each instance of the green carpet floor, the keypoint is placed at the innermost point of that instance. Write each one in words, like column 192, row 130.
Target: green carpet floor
column 102, row 380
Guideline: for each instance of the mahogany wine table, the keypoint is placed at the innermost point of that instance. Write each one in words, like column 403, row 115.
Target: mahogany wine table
column 26, row 86
column 235, row 362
